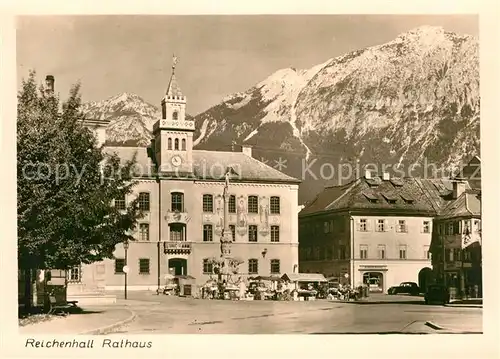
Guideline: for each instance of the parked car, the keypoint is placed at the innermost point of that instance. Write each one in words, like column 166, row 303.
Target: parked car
column 410, row 288
column 437, row 293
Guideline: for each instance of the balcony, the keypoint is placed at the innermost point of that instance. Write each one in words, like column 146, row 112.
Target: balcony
column 174, row 124
column 177, row 247
column 177, row 217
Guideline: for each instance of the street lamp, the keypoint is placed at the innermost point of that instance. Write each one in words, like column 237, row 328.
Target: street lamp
column 125, row 267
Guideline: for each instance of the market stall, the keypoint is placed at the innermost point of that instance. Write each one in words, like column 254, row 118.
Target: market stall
column 306, row 285
column 264, row 287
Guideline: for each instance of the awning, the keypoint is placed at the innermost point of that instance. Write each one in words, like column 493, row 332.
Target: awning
column 304, row 277
column 270, row 278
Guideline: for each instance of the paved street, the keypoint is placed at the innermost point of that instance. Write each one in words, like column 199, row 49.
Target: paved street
column 163, row 314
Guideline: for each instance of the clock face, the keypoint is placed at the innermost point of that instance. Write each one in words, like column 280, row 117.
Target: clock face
column 176, row 160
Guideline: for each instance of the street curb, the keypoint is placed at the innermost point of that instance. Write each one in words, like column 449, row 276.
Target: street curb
column 463, row 305
column 109, row 327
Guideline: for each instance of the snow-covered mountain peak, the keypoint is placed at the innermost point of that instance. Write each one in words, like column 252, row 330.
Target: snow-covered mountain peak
column 413, row 98
column 131, row 118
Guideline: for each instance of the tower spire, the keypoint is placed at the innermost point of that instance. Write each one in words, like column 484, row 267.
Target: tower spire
column 174, row 90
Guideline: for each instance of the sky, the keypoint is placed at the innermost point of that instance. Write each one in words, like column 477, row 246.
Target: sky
column 217, row 55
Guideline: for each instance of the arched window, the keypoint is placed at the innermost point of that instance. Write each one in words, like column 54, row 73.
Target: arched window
column 183, row 144
column 169, row 144
column 176, row 144
column 175, row 115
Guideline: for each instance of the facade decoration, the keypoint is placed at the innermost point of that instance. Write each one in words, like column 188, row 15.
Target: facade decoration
column 219, row 215
column 177, row 217
column 264, row 216
column 242, row 218
column 207, row 218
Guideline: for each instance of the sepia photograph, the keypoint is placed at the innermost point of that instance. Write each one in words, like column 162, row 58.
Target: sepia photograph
column 247, row 174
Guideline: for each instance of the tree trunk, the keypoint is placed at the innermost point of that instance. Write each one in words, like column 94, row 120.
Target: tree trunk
column 27, row 290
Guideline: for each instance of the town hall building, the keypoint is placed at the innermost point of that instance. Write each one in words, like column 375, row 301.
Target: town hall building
column 180, row 192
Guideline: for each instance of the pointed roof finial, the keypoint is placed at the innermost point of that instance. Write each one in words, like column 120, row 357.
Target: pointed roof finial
column 174, row 62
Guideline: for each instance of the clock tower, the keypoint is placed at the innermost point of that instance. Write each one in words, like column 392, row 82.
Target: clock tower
column 173, row 134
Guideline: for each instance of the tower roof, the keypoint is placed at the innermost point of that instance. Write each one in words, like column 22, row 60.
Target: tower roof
column 173, row 88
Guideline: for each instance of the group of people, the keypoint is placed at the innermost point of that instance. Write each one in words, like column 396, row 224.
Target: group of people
column 346, row 292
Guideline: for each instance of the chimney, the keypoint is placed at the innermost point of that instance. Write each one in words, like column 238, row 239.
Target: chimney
column 49, row 83
column 386, row 176
column 459, row 187
column 368, row 174
column 247, row 150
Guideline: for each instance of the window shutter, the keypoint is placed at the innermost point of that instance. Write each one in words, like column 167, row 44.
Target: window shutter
column 358, row 224
column 386, row 225
column 368, row 224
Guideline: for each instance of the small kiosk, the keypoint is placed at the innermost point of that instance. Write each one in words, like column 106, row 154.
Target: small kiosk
column 306, row 285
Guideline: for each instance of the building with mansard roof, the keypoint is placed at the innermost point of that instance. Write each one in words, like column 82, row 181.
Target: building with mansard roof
column 180, row 191
column 379, row 230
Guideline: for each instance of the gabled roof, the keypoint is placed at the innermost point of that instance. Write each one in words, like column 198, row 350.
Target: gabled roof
column 427, row 196
column 325, row 199
column 246, row 167
column 362, row 195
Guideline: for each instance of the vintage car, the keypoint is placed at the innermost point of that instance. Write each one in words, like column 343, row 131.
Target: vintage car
column 437, row 293
column 410, row 288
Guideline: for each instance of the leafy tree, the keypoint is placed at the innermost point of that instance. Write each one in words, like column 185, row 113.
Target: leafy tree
column 66, row 185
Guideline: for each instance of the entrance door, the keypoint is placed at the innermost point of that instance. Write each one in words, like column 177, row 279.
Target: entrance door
column 178, row 266
column 374, row 280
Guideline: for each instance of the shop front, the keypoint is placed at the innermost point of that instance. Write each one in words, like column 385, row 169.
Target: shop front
column 374, row 277
column 463, row 280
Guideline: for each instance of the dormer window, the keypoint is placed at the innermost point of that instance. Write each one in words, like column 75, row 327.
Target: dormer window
column 407, row 198
column 397, row 182
column 370, row 197
column 175, row 116
column 389, row 198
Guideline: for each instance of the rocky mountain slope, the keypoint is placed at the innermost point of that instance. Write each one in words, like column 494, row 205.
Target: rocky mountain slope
column 412, row 101
column 131, row 119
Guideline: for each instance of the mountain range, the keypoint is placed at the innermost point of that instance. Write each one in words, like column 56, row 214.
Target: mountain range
column 411, row 104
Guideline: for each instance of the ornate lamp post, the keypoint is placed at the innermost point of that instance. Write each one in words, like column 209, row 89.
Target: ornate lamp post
column 125, row 267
